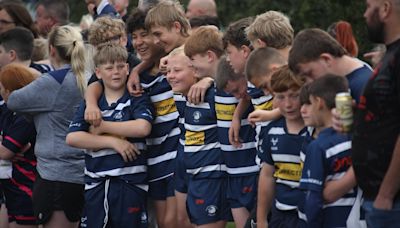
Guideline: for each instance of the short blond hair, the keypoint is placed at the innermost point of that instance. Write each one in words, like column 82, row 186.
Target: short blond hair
column 103, row 28
column 206, row 38
column 165, row 13
column 273, row 28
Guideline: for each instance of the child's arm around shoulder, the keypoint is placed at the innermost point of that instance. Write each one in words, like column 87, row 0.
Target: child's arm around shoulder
column 335, row 189
column 92, row 111
column 142, row 114
column 263, row 115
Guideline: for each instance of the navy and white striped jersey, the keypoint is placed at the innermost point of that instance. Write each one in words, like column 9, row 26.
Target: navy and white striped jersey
column 107, row 163
column 203, row 156
column 180, row 102
column 164, row 137
column 258, row 98
column 327, row 158
column 281, row 149
column 239, row 161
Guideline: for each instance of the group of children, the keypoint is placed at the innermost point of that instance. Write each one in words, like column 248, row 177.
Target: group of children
column 210, row 138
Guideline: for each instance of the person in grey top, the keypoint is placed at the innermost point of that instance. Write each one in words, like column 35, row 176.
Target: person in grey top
column 51, row 101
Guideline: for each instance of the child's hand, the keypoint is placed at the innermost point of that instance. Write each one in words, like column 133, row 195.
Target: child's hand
column 233, row 133
column 133, row 84
column 336, row 121
column 95, row 130
column 93, row 115
column 127, row 150
column 163, row 64
column 256, row 116
column 198, row 91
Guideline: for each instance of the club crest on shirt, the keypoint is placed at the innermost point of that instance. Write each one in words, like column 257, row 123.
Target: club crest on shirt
column 118, row 115
column 274, row 141
column 196, row 116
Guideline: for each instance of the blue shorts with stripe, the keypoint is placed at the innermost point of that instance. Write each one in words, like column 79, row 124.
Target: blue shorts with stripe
column 206, row 201
column 116, row 203
column 242, row 191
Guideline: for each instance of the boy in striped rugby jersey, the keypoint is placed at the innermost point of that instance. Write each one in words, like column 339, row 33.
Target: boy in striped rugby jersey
column 116, row 165
column 280, row 144
column 327, row 158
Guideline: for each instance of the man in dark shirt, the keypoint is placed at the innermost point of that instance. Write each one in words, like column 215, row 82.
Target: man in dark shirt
column 376, row 144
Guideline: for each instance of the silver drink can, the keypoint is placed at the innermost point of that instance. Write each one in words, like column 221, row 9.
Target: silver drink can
column 344, row 107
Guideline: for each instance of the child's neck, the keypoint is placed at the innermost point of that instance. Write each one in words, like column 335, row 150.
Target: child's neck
column 326, row 120
column 294, row 126
column 113, row 95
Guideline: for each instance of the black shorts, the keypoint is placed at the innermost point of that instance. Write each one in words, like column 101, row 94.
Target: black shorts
column 49, row 196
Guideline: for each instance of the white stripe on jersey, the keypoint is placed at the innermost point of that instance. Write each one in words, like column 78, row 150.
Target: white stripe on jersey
column 342, row 202
column 190, row 127
column 241, row 170
column 166, row 118
column 292, row 184
column 209, row 168
column 302, row 156
column 118, row 171
column 276, row 131
column 144, row 187
column 261, row 100
column 201, row 105
column 158, row 79
column 120, row 106
column 227, row 124
column 286, row 158
column 284, row 207
column 337, row 149
column 165, row 157
column 105, row 152
column 194, row 149
column 161, row 178
column 182, row 142
column 181, row 120
column 245, row 146
column 159, row 140
column 162, row 96
column 226, row 100
column 179, row 97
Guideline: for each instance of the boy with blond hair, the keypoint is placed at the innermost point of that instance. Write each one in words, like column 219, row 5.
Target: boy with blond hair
column 116, row 165
column 271, row 29
column 203, row 157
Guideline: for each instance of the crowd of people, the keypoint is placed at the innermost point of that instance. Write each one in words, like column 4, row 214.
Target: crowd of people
column 157, row 118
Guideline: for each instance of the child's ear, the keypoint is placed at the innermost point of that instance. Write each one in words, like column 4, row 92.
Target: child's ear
column 320, row 102
column 261, row 43
column 177, row 26
column 246, row 50
column 211, row 56
column 327, row 58
column 13, row 55
column 97, row 71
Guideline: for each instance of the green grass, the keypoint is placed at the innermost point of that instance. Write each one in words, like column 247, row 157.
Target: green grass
column 230, row 225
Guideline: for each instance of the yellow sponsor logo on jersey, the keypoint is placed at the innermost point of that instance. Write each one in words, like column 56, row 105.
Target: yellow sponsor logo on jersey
column 225, row 111
column 194, row 138
column 165, row 107
column 264, row 106
column 288, row 171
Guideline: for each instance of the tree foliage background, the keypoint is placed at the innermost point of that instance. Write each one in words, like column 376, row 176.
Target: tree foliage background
column 302, row 13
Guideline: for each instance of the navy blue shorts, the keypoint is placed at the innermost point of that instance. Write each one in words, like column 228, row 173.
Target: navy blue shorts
column 162, row 189
column 280, row 218
column 181, row 177
column 206, row 201
column 125, row 204
column 242, row 191
column 18, row 201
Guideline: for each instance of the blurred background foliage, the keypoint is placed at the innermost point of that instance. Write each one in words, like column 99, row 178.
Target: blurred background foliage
column 302, row 13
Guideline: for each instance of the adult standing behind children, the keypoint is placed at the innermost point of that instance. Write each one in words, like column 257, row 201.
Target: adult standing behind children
column 52, row 100
column 51, row 13
column 376, row 142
